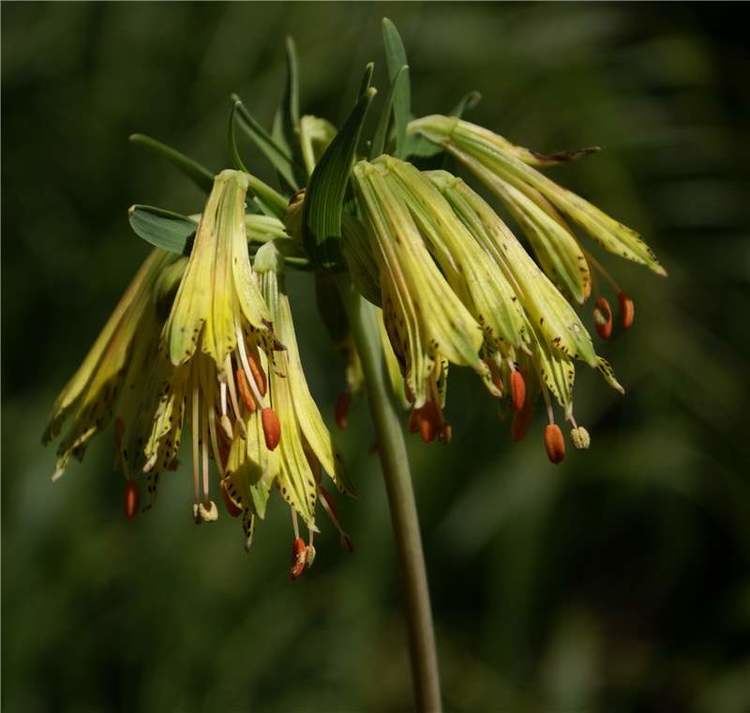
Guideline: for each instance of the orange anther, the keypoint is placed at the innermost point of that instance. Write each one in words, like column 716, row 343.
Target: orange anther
column 603, row 318
column 132, row 497
column 258, row 374
column 341, row 410
column 232, row 507
column 554, row 443
column 244, row 388
column 271, row 428
column 627, row 310
column 517, row 390
column 299, row 558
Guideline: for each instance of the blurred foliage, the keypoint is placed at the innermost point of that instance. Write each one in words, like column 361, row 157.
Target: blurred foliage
column 615, row 582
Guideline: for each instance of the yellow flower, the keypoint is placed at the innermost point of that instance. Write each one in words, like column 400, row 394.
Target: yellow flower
column 426, row 322
column 114, row 371
column 305, row 445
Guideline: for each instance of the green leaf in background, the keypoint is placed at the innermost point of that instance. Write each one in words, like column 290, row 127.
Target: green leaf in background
column 395, row 58
column 286, row 122
column 162, row 228
column 324, row 201
column 200, row 175
column 276, row 154
column 381, row 133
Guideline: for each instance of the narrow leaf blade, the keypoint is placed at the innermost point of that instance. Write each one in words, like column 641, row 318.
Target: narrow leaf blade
column 197, row 173
column 381, row 132
column 324, row 201
column 395, row 57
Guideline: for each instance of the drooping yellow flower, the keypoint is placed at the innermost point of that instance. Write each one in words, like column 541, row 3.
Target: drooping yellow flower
column 116, row 366
column 426, row 321
column 305, row 444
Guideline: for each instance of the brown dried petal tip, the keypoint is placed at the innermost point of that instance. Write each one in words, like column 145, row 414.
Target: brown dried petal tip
column 271, row 428
column 554, row 443
column 132, row 497
column 627, row 310
column 603, row 318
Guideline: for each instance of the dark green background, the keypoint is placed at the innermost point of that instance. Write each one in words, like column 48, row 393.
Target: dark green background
column 615, row 582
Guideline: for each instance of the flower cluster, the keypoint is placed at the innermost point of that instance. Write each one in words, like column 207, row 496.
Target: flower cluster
column 206, row 341
column 456, row 285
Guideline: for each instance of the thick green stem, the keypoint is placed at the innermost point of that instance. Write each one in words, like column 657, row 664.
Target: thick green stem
column 395, row 465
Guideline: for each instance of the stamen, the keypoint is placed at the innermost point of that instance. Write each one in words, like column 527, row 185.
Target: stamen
column 517, row 389
column 603, row 318
column 233, row 394
column 295, row 524
column 580, row 438
column 132, row 498
column 220, row 461
column 204, row 456
column 247, row 366
column 195, row 432
column 554, row 443
column 299, row 557
column 271, row 427
column 601, row 270
column 226, row 424
column 341, row 410
column 326, row 500
column 627, row 310
column 244, row 389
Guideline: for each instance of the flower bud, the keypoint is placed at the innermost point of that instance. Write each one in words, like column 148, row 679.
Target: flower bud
column 554, row 443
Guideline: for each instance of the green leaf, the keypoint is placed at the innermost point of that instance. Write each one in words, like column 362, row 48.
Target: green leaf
column 395, row 58
column 381, row 133
column 324, row 201
column 201, row 176
column 162, row 228
column 286, row 122
column 276, row 154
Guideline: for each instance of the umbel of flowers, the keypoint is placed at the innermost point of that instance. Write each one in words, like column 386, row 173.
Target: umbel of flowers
column 203, row 339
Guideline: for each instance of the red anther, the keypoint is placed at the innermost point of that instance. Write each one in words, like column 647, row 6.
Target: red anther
column 431, row 421
column 603, row 318
column 244, row 388
column 627, row 310
column 414, row 420
column 517, row 390
column 258, row 374
column 426, row 428
column 232, row 507
column 341, row 409
column 554, row 443
column 132, row 498
column 346, row 542
column 299, row 558
column 271, row 428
